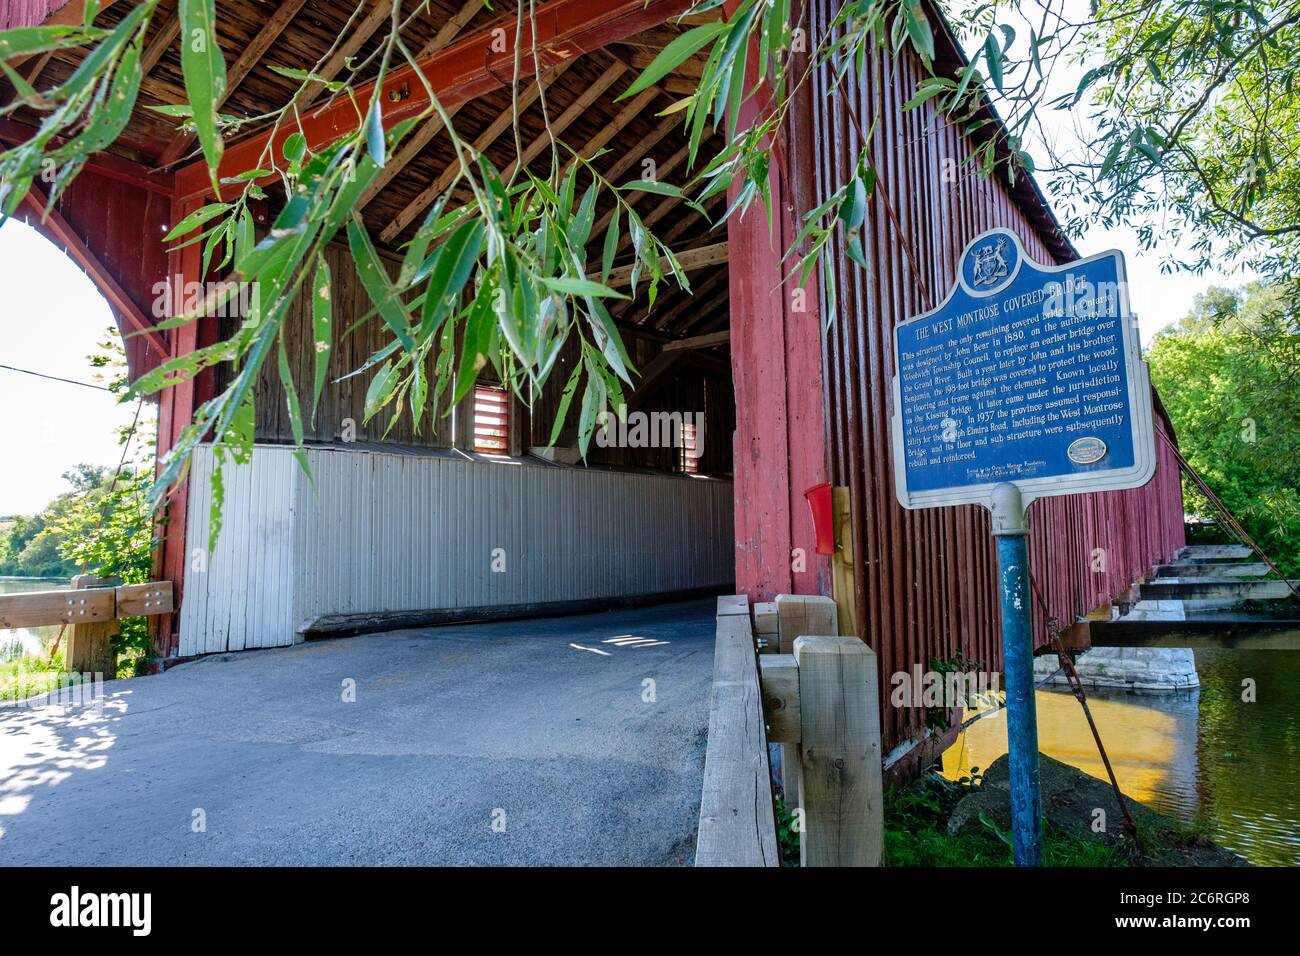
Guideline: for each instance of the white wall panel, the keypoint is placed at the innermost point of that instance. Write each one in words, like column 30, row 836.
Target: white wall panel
column 384, row 532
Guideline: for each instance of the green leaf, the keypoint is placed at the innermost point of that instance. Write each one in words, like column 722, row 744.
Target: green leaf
column 566, row 397
column 919, row 32
column 455, row 260
column 322, row 324
column 568, row 285
column 294, row 148
column 853, row 211
column 375, row 279
column 674, row 55
column 650, row 186
column 375, row 132
column 290, row 395
column 25, row 41
column 204, row 69
column 612, row 239
column 993, row 57
column 591, row 400
column 381, row 389
column 197, row 218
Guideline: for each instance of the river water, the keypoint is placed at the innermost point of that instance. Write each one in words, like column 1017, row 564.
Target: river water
column 1205, row 754
column 17, row 643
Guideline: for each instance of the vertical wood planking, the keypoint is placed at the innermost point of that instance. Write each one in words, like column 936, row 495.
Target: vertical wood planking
column 840, row 781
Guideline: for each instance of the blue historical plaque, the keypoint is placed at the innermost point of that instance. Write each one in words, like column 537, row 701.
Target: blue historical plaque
column 1028, row 374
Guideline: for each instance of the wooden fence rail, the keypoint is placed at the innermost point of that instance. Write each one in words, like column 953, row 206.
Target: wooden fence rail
column 91, row 607
column 820, row 701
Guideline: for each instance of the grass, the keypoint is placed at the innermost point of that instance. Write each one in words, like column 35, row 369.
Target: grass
column 23, row 677
column 916, row 835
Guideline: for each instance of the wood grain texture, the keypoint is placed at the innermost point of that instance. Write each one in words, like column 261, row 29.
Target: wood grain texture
column 46, row 608
column 737, row 818
column 87, row 645
column 799, row 614
column 840, row 752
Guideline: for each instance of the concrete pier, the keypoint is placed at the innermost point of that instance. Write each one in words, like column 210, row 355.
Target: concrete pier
column 1128, row 668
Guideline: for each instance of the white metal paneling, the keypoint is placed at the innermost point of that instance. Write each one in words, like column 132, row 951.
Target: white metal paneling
column 240, row 595
column 383, row 532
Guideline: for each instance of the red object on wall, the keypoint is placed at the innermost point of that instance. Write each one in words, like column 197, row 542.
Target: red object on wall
column 823, row 516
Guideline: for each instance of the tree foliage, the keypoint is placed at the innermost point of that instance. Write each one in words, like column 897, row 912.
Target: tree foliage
column 1232, row 389
column 1191, row 102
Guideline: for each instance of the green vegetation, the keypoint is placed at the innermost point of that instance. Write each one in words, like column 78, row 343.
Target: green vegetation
column 1190, row 109
column 102, row 526
column 916, row 834
column 34, row 546
column 1229, row 376
column 23, row 677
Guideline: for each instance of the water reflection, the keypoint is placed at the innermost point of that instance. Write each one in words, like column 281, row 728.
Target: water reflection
column 1204, row 754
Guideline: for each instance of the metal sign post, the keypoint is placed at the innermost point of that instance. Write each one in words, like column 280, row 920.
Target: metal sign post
column 1028, row 381
column 1011, row 531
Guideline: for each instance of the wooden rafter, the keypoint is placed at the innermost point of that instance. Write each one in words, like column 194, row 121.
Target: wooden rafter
column 689, row 259
column 156, row 47
column 363, row 31
column 431, row 127
column 485, row 139
column 699, row 341
column 670, row 309
column 668, row 124
column 449, row 30
column 239, row 70
column 80, row 253
column 462, row 71
column 701, row 310
column 561, row 123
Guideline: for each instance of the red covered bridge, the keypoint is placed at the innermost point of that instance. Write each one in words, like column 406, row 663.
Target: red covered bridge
column 789, row 396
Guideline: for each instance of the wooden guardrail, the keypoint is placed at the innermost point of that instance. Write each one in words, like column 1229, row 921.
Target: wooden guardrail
column 820, row 701
column 91, row 608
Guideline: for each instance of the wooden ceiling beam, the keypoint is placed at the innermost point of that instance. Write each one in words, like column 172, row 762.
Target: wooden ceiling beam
column 105, row 164
column 239, row 70
column 463, row 71
column 433, row 125
column 156, row 47
column 689, row 259
column 485, row 139
column 699, row 341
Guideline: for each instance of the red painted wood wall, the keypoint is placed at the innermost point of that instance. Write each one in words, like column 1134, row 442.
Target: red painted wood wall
column 925, row 579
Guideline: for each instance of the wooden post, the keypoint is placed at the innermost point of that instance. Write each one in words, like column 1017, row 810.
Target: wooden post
column 840, row 786
column 799, row 614
column 842, row 577
column 88, row 648
column 737, row 820
column 779, row 675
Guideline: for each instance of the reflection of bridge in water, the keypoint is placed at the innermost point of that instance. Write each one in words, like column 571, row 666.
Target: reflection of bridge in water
column 1202, row 754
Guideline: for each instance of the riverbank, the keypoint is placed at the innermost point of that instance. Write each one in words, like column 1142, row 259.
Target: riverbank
column 940, row 822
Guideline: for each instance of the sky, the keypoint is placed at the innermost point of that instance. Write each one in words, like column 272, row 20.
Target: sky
column 51, row 317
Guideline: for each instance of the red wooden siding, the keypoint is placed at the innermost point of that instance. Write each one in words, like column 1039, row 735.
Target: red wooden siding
column 122, row 225
column 26, row 13
column 925, row 579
